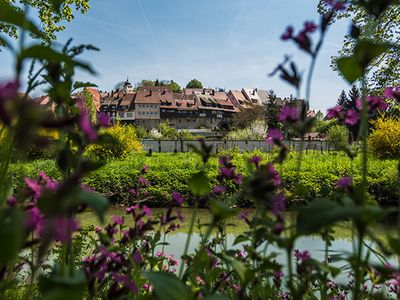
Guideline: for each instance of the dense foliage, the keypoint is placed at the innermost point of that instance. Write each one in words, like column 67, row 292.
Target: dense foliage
column 384, row 140
column 122, row 141
column 169, row 172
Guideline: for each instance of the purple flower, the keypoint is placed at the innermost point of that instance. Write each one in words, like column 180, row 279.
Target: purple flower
column 145, row 169
column 279, row 274
column 255, row 160
column 227, row 172
column 278, row 228
column 238, row 179
column 11, row 201
column 84, row 121
column 304, row 256
column 334, row 112
column 177, row 197
column 103, row 120
column 147, row 211
column 243, row 215
column 392, row 93
column 344, row 182
column 63, row 228
column 50, row 183
column 143, row 181
column 219, row 189
column 34, row 187
column 310, row 27
column 278, row 203
column 124, row 279
column 8, row 90
column 375, row 102
column 274, row 175
column 288, row 114
column 33, row 220
column 117, row 220
column 137, row 257
column 274, row 136
column 351, row 117
column 131, row 209
column 288, row 34
column 337, row 5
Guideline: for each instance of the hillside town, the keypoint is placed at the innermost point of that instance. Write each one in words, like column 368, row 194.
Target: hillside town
column 193, row 108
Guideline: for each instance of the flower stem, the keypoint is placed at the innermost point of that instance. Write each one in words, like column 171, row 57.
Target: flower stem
column 188, row 238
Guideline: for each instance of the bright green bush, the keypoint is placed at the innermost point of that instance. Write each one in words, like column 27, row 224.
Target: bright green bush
column 338, row 136
column 169, row 172
column 384, row 141
column 127, row 142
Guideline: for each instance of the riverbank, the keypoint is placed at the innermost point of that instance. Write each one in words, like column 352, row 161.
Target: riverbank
column 169, row 172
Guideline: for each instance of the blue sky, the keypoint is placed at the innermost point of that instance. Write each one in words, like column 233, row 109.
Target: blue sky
column 226, row 43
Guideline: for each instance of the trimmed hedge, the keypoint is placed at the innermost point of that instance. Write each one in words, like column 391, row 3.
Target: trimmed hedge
column 169, row 172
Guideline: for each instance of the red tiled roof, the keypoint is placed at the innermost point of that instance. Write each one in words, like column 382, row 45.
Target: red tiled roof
column 147, row 96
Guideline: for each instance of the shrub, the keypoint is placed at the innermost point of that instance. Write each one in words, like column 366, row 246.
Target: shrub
column 126, row 142
column 384, row 141
column 255, row 131
column 338, row 136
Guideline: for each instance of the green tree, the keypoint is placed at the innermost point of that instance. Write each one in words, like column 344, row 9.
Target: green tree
column 247, row 116
column 338, row 136
column 176, row 88
column 343, row 99
column 194, row 84
column 52, row 15
column 146, row 82
column 271, row 109
column 384, row 70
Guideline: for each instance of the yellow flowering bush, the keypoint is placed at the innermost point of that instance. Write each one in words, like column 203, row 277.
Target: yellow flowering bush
column 384, row 141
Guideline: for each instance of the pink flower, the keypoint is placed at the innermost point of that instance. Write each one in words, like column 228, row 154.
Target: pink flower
column 103, row 120
column 304, row 256
column 288, row 34
column 34, row 187
column 145, row 169
column 351, row 117
column 227, row 172
column 50, row 183
column 219, row 189
column 147, row 211
column 310, row 27
column 117, row 220
column 288, row 114
column 8, row 90
column 177, row 197
column 274, row 136
column 375, row 102
column 147, row 287
column 334, row 112
column 392, row 93
column 344, row 182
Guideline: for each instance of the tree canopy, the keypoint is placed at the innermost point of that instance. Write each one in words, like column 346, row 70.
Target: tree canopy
column 384, row 71
column 52, row 15
column 194, row 84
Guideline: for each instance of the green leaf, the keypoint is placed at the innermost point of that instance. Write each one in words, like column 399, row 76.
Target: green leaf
column 365, row 51
column 11, row 223
column 321, row 213
column 350, row 68
column 59, row 286
column 239, row 268
column 10, row 15
column 168, row 286
column 217, row 297
column 79, row 84
column 199, row 184
column 96, row 201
